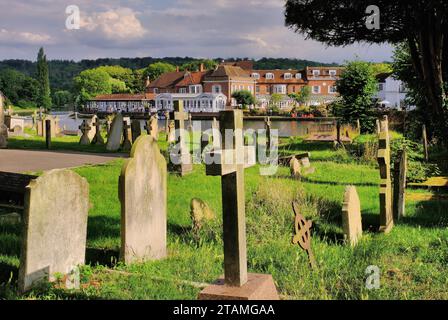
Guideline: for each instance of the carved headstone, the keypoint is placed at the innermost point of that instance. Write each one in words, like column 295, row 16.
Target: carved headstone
column 351, row 216
column 171, row 136
column 152, row 127
column 127, row 136
column 91, row 122
column 302, row 235
column 400, row 173
column 98, row 139
column 115, row 134
column 143, row 196
column 54, row 228
column 386, row 216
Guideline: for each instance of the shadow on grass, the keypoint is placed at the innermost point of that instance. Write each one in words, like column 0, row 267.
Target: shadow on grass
column 429, row 214
column 333, row 183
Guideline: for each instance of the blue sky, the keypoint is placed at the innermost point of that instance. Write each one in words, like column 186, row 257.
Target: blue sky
column 159, row 28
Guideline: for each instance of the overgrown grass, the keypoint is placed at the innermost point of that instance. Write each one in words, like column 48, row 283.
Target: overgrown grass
column 413, row 259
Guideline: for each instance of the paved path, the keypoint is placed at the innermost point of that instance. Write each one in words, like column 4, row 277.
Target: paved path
column 32, row 161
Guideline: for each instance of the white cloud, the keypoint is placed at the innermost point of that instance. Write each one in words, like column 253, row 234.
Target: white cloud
column 118, row 24
column 23, row 37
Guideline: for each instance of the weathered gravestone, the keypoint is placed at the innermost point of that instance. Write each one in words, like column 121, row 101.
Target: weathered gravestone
column 54, row 228
column 237, row 284
column 48, row 133
column 180, row 157
column 98, row 138
column 295, row 168
column 171, row 135
column 351, row 216
column 200, row 212
column 386, row 217
column 400, row 173
column 127, row 136
column 136, row 129
column 85, row 128
column 152, row 127
column 91, row 122
column 54, row 126
column 143, row 196
column 115, row 134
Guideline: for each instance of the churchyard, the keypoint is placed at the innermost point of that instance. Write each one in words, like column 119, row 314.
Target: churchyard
column 183, row 255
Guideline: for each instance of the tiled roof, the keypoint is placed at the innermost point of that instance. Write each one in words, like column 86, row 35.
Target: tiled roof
column 124, row 97
column 191, row 78
column 167, row 80
column 279, row 76
column 383, row 76
column 228, row 72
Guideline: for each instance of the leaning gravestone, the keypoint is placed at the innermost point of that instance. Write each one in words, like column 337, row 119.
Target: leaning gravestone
column 200, row 212
column 54, row 228
column 115, row 134
column 386, row 216
column 400, row 173
column 143, row 196
column 351, row 216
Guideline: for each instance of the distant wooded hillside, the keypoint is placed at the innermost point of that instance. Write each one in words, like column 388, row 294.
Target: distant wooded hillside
column 62, row 72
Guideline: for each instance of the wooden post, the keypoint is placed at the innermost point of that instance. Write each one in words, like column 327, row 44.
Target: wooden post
column 167, row 124
column 399, row 199
column 386, row 215
column 425, row 143
column 48, row 133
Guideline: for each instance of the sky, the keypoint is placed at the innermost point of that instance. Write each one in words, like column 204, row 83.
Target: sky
column 163, row 28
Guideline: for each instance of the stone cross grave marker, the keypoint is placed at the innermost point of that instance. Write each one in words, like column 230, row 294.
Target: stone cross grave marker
column 127, row 136
column 85, row 128
column 399, row 198
column 143, row 196
column 302, row 235
column 54, row 227
column 237, row 283
column 183, row 162
column 232, row 183
column 98, row 138
column 91, row 122
column 351, row 216
column 136, row 129
column 115, row 134
column 386, row 217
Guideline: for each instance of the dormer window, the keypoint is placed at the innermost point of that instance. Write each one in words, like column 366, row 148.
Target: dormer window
column 288, row 76
column 255, row 75
column 332, row 73
column 316, row 73
column 269, row 76
column 298, row 76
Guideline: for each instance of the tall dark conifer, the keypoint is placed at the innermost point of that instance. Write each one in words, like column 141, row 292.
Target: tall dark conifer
column 44, row 97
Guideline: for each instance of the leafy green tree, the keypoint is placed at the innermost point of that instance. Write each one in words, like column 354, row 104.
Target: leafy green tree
column 118, row 86
column 357, row 87
column 62, row 97
column 123, row 75
column 91, row 83
column 195, row 65
column 18, row 88
column 44, row 97
column 244, row 98
column 155, row 70
column 303, row 96
column 421, row 24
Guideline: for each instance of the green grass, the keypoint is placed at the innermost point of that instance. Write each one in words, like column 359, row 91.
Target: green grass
column 413, row 258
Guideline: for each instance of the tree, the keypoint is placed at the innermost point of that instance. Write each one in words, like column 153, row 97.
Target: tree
column 155, row 70
column 18, row 88
column 244, row 98
column 195, row 65
column 62, row 98
column 422, row 24
column 44, row 97
column 357, row 87
column 124, row 75
column 303, row 96
column 91, row 83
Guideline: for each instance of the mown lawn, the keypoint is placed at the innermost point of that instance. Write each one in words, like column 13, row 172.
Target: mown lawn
column 413, row 258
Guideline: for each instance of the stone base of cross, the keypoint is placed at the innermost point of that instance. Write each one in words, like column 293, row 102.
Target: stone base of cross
column 182, row 162
column 229, row 164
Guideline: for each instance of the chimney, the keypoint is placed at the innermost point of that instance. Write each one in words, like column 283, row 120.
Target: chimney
column 202, row 67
